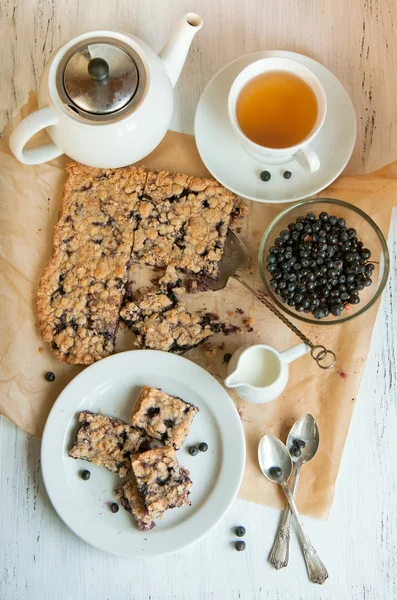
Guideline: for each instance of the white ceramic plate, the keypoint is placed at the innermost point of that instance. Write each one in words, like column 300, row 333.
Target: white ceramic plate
column 228, row 162
column 111, row 386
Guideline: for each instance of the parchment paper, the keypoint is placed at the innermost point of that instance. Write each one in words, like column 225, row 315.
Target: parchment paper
column 29, row 204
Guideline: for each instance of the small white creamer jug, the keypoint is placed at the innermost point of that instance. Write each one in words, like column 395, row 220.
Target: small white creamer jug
column 259, row 373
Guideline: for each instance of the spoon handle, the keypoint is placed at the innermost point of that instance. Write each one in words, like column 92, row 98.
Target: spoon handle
column 279, row 554
column 315, row 568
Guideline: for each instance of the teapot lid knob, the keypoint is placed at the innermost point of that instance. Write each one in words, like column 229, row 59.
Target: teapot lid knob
column 98, row 68
column 101, row 78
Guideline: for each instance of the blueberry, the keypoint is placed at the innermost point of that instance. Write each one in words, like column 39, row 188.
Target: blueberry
column 287, row 174
column 49, row 376
column 341, row 222
column 324, row 216
column 275, row 472
column 318, row 313
column 240, row 531
column 308, row 229
column 265, row 175
column 114, row 507
column 365, row 253
column 299, row 226
column 299, row 443
column 316, row 226
column 271, row 258
column 367, row 282
column 240, row 546
column 354, row 299
column 279, row 242
column 310, row 217
column 285, row 234
column 193, row 450
column 333, row 220
column 203, row 447
column 85, row 475
column 295, row 451
column 336, row 310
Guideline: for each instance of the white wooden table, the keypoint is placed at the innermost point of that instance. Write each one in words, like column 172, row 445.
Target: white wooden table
column 40, row 559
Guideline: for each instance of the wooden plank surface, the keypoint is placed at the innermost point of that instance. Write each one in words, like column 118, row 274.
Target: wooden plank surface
column 357, row 40
column 41, row 559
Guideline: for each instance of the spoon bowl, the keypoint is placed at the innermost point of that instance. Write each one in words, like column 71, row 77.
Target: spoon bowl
column 272, row 454
column 304, row 431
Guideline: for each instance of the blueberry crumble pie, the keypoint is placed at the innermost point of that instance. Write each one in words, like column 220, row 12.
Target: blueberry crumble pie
column 110, row 218
column 185, row 224
column 161, row 322
column 81, row 289
column 130, row 499
column 162, row 483
column 162, row 416
column 108, row 442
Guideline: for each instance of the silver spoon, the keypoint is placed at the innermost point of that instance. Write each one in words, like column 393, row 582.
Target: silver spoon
column 276, row 464
column 304, row 431
column 236, row 258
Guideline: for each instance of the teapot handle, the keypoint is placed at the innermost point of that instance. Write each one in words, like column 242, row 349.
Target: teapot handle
column 32, row 124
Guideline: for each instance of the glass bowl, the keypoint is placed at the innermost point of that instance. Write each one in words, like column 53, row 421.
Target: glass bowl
column 367, row 232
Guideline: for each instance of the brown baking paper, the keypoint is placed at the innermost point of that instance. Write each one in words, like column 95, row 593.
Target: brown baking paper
column 29, row 203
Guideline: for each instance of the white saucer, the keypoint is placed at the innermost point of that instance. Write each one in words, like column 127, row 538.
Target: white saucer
column 228, row 162
column 111, row 386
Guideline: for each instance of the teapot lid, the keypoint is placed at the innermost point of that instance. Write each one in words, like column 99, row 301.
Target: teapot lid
column 100, row 78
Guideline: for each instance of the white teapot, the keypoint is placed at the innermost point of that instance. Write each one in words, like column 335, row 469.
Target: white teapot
column 106, row 98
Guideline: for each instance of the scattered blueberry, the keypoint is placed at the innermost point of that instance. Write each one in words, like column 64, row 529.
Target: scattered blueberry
column 240, row 531
column 287, row 174
column 295, row 451
column 265, row 175
column 193, row 450
column 114, row 507
column 227, row 357
column 50, row 376
column 85, row 475
column 275, row 472
column 240, row 546
column 203, row 447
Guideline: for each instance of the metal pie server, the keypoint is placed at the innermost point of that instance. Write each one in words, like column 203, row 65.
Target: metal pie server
column 236, row 258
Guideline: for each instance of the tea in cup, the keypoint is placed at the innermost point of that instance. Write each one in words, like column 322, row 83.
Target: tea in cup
column 276, row 107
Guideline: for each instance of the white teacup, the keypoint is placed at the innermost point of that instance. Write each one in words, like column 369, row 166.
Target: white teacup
column 302, row 152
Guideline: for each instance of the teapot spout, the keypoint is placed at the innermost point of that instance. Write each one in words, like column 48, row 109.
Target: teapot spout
column 175, row 51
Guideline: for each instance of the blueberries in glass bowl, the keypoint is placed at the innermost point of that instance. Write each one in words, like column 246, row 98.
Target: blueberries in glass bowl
column 319, row 266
